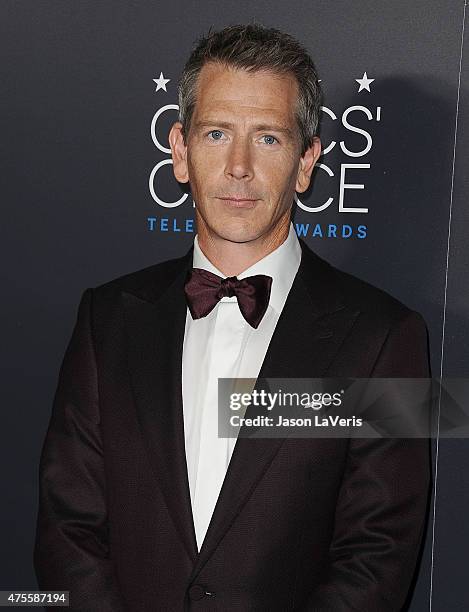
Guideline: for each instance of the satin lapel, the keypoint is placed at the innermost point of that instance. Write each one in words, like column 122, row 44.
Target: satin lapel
column 155, row 322
column 308, row 335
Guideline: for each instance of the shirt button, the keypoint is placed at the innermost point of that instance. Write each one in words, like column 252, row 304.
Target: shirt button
column 197, row 592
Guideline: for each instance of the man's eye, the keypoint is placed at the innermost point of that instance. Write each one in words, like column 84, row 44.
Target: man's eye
column 271, row 139
column 216, row 134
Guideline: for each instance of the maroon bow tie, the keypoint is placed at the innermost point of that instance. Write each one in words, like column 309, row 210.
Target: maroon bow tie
column 204, row 290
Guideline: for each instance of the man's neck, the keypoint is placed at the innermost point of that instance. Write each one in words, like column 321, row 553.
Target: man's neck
column 232, row 258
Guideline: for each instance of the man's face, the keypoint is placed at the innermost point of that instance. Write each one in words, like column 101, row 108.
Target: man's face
column 242, row 153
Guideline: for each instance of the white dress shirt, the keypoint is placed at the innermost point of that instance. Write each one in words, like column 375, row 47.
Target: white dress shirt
column 224, row 345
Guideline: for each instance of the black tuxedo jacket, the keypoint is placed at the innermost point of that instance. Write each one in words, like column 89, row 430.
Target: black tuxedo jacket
column 300, row 524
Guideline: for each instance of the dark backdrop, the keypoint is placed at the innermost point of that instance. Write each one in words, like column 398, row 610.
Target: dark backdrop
column 83, row 132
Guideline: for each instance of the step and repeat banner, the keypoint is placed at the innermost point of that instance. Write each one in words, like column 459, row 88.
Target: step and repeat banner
column 89, row 95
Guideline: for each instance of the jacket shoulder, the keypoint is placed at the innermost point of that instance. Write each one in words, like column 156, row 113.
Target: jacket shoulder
column 377, row 306
column 144, row 283
column 362, row 295
column 351, row 291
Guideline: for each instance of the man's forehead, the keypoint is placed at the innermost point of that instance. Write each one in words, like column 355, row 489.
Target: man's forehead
column 224, row 87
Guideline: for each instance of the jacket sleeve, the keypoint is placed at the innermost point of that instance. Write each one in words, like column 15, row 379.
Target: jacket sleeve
column 383, row 500
column 71, row 549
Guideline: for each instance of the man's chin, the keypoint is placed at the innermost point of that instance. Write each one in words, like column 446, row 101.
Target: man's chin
column 237, row 233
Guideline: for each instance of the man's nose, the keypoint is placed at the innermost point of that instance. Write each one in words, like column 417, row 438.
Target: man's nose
column 239, row 160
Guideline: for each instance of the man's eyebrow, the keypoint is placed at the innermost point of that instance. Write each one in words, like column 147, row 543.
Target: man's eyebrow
column 257, row 128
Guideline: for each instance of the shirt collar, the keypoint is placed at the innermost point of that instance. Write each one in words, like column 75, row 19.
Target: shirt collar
column 281, row 264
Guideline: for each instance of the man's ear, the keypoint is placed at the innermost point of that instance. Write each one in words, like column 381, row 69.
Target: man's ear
column 307, row 162
column 178, row 153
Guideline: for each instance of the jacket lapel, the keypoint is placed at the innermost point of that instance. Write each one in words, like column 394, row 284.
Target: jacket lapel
column 307, row 337
column 155, row 321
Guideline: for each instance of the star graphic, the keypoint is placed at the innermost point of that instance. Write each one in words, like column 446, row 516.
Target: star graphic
column 364, row 82
column 161, row 82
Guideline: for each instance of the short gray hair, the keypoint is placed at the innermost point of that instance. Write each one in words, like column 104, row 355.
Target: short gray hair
column 254, row 47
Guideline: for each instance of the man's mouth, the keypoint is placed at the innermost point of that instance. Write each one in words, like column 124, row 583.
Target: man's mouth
column 239, row 201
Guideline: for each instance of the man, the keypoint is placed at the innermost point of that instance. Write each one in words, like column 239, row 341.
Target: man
column 142, row 506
